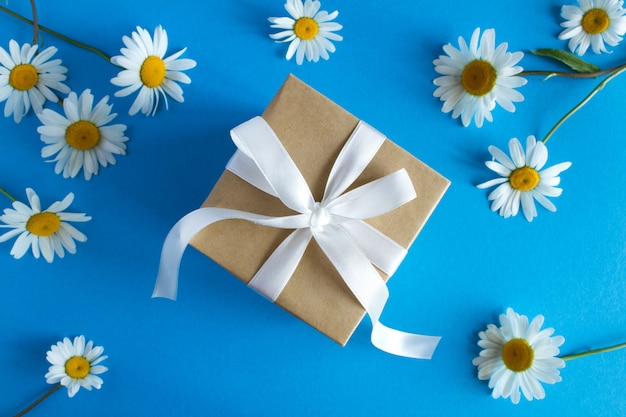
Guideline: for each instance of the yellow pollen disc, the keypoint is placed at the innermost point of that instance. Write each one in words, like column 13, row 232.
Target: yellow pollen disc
column 152, row 72
column 306, row 28
column 517, row 355
column 524, row 178
column 478, row 77
column 77, row 367
column 595, row 21
column 43, row 224
column 23, row 77
column 82, row 135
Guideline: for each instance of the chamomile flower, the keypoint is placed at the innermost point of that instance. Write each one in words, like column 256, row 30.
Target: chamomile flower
column 518, row 356
column 146, row 70
column 75, row 365
column 594, row 23
column 46, row 232
column 522, row 179
column 309, row 30
column 82, row 139
column 476, row 77
column 27, row 79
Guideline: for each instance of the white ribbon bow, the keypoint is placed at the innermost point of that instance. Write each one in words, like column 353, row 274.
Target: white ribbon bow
column 336, row 223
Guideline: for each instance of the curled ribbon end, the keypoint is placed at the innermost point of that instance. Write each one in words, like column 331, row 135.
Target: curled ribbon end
column 424, row 349
column 156, row 294
column 161, row 294
column 401, row 343
column 165, row 287
column 433, row 345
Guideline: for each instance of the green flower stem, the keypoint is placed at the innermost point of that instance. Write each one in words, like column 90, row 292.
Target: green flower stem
column 616, row 71
column 566, row 74
column 57, row 34
column 5, row 192
column 43, row 397
column 35, row 22
column 593, row 352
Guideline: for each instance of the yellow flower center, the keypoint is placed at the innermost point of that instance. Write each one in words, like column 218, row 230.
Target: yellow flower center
column 82, row 135
column 306, row 28
column 517, row 355
column 43, row 224
column 77, row 367
column 524, row 178
column 595, row 21
column 23, row 77
column 152, row 72
column 479, row 77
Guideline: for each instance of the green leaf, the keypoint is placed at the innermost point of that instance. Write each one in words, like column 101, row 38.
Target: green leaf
column 568, row 59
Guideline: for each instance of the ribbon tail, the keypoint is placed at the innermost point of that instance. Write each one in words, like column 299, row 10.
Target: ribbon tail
column 186, row 228
column 382, row 252
column 173, row 248
column 402, row 343
column 371, row 291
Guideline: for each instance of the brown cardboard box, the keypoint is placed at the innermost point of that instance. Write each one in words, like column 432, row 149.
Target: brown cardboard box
column 313, row 130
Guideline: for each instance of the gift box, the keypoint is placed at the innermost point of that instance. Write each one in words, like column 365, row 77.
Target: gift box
column 313, row 131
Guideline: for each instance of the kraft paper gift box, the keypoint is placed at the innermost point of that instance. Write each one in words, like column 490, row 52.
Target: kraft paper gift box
column 313, row 130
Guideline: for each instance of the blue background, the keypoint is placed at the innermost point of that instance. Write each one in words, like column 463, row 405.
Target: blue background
column 223, row 350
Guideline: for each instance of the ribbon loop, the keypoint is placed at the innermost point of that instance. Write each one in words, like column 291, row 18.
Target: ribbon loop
column 257, row 140
column 336, row 224
column 374, row 198
column 356, row 154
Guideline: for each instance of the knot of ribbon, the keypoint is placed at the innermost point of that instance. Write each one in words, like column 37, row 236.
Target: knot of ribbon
column 336, row 223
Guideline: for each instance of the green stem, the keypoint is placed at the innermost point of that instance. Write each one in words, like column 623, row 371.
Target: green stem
column 5, row 192
column 58, row 35
column 593, row 352
column 35, row 23
column 571, row 74
column 616, row 71
column 43, row 397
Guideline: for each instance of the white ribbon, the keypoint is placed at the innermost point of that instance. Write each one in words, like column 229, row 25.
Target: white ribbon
column 336, row 223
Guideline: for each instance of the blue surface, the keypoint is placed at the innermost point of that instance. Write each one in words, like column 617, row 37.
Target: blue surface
column 223, row 350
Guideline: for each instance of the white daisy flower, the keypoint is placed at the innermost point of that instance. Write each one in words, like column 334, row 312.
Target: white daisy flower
column 518, row 356
column 594, row 23
column 146, row 70
column 476, row 77
column 522, row 179
column 45, row 231
column 27, row 79
column 82, row 139
column 75, row 365
column 309, row 30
